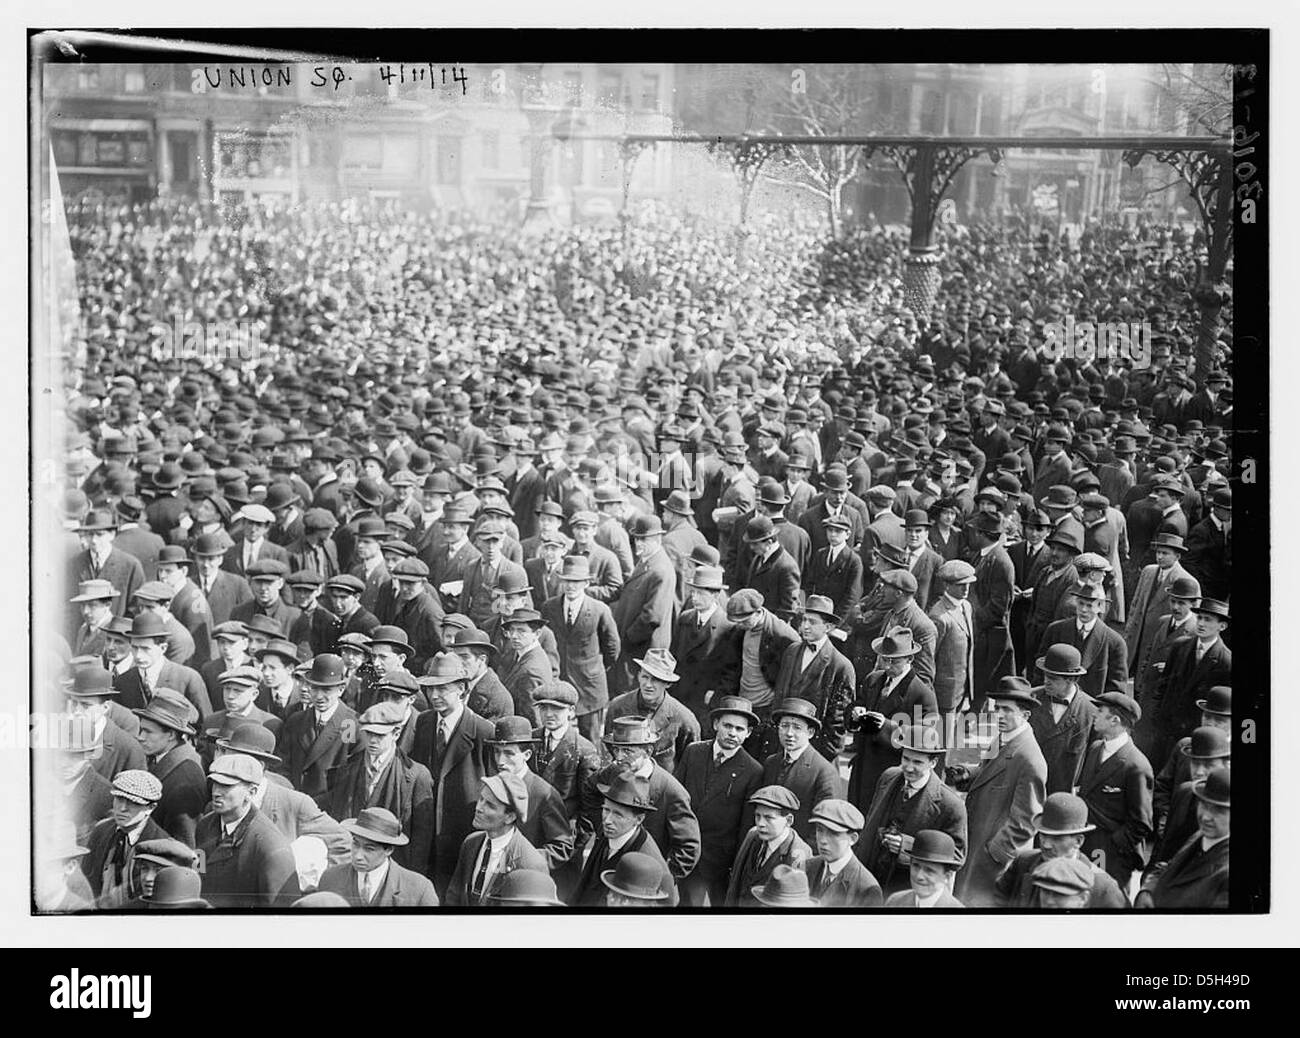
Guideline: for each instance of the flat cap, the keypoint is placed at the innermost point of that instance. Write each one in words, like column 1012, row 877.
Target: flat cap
column 838, row 815
column 140, row 787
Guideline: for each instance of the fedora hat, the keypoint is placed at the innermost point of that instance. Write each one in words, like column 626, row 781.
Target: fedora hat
column 575, row 567
column 734, row 705
column 935, row 847
column 176, row 886
column 253, row 739
column 443, row 669
column 170, row 709
column 800, row 708
column 646, row 526
column 1063, row 814
column 1217, row 701
column 820, row 605
column 1059, row 496
column 659, row 663
column 1215, row 788
column 707, row 578
column 631, row 731
column 530, row 617
column 895, row 643
column 1069, row 539
column 1212, row 607
column 629, row 790
column 511, row 731
column 90, row 682
column 94, row 591
column 892, row 553
column 786, row 888
column 636, row 875
column 1168, row 540
column 679, row 503
column 1062, row 660
column 473, row 638
column 1015, row 690
column 378, row 825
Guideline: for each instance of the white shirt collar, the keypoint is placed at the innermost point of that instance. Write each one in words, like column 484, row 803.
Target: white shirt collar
column 726, row 754
column 374, row 879
column 703, row 618
column 835, row 867
column 795, row 755
column 931, row 901
column 323, row 718
column 1208, row 844
column 814, row 649
column 1111, row 746
column 618, row 842
column 449, row 722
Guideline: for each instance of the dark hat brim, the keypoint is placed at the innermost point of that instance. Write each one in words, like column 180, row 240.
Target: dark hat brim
column 351, row 826
column 607, row 877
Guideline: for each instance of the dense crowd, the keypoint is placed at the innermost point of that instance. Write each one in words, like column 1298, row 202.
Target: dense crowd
column 634, row 567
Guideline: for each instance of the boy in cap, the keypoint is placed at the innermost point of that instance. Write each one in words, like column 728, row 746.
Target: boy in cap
column 1116, row 783
column 111, row 846
column 772, row 841
column 371, row 878
column 497, row 847
column 564, row 758
column 1063, row 883
column 836, row 569
column 836, row 878
column 246, row 859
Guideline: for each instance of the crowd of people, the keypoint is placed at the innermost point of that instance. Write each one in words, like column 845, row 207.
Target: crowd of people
column 607, row 567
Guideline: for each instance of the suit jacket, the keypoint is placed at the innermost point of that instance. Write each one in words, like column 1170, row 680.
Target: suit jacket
column 404, row 788
column 569, row 768
column 1183, row 683
column 925, row 570
column 704, row 659
column 718, row 796
column 673, row 826
column 776, row 578
column 587, row 888
column 828, row 682
column 121, row 570
column 954, row 646
column 990, row 595
column 456, row 779
column 99, row 847
column 421, row 618
column 876, row 751
column 852, row 887
column 489, row 698
column 401, row 888
column 185, row 792
column 545, row 585
column 248, row 870
column 302, row 556
column 143, row 544
column 172, row 675
column 89, row 802
column 937, row 807
column 812, row 523
column 747, row 873
column 1063, row 743
column 645, row 610
column 296, row 814
column 228, row 590
column 840, row 581
column 1146, row 676
column 1051, row 472
column 811, row 778
column 190, row 609
column 519, row 854
column 1005, row 794
column 906, row 899
column 1118, row 794
column 234, row 560
column 327, row 629
column 1017, row 890
column 547, row 826
column 445, row 568
column 1104, row 655
column 1049, row 591
column 587, row 649
column 475, row 599
column 1150, row 602
column 307, row 757
column 1209, row 558
column 1193, row 878
column 524, row 675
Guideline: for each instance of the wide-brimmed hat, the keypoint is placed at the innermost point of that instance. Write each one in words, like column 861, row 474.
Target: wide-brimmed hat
column 629, row 790
column 170, row 709
column 442, row 669
column 253, row 739
column 895, row 643
column 786, row 888
column 1168, row 540
column 631, row 731
column 94, row 591
column 820, row 605
column 530, row 617
column 1062, row 660
column 800, row 708
column 1212, row 607
column 378, row 825
column 659, row 663
column 1063, row 814
column 734, row 705
column 1014, row 689
column 637, row 875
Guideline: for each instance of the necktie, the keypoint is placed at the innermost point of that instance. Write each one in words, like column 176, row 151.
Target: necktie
column 317, row 726
column 440, row 745
column 1200, row 650
column 789, row 762
column 146, row 687
column 718, row 759
column 119, row 856
column 480, row 876
column 250, row 554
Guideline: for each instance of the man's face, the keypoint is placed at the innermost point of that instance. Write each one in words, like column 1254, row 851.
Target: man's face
column 1055, row 900
column 1164, row 499
column 750, row 621
column 1224, row 515
column 368, row 855
column 1061, row 556
column 795, row 733
column 171, row 574
column 1212, row 820
column 617, row 820
column 916, row 767
column 208, row 565
column 154, row 738
column 454, row 532
column 730, row 731
column 100, row 542
column 836, row 499
column 490, row 547
column 512, row 757
column 147, row 651
column 229, row 799
column 1201, row 767
column 116, row 648
column 447, row 698
column 836, row 536
column 582, row 534
column 254, row 531
column 1035, row 535
column 1166, row 557
column 266, row 589
column 342, row 601
column 126, row 813
column 323, row 697
column 1107, row 723
column 1208, row 627
column 1009, row 715
column 653, row 690
column 832, row 845
column 147, row 871
column 473, row 662
column 928, row 878
column 377, row 743
column 1223, row 724
column 643, row 547
column 915, row 536
column 1057, row 686
column 372, row 469
column 894, row 665
column 988, row 506
column 231, row 648
column 433, row 501
column 304, row 596
column 93, row 612
column 813, row 628
column 275, row 672
column 552, row 715
column 367, row 548
column 387, row 658
column 520, row 636
column 1060, row 846
column 490, row 814
column 772, row 824
column 1087, row 609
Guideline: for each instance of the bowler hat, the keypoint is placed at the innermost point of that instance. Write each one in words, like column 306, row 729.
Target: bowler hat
column 394, row 636
column 734, row 705
column 646, row 526
column 986, row 524
column 512, row 582
column 1208, row 743
column 629, row 790
column 575, row 567
column 786, row 888
column 525, row 887
column 637, row 875
column 509, row 731
column 473, row 638
column 1215, row 788
column 919, row 738
column 1088, row 592
column 800, row 708
column 176, row 886
column 759, row 528
column 1217, row 701
column 170, row 709
column 148, row 625
column 1014, row 689
column 378, row 825
column 1063, row 660
column 631, row 731
column 326, row 670
column 1063, row 814
column 835, row 478
column 1184, row 588
column 935, row 847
